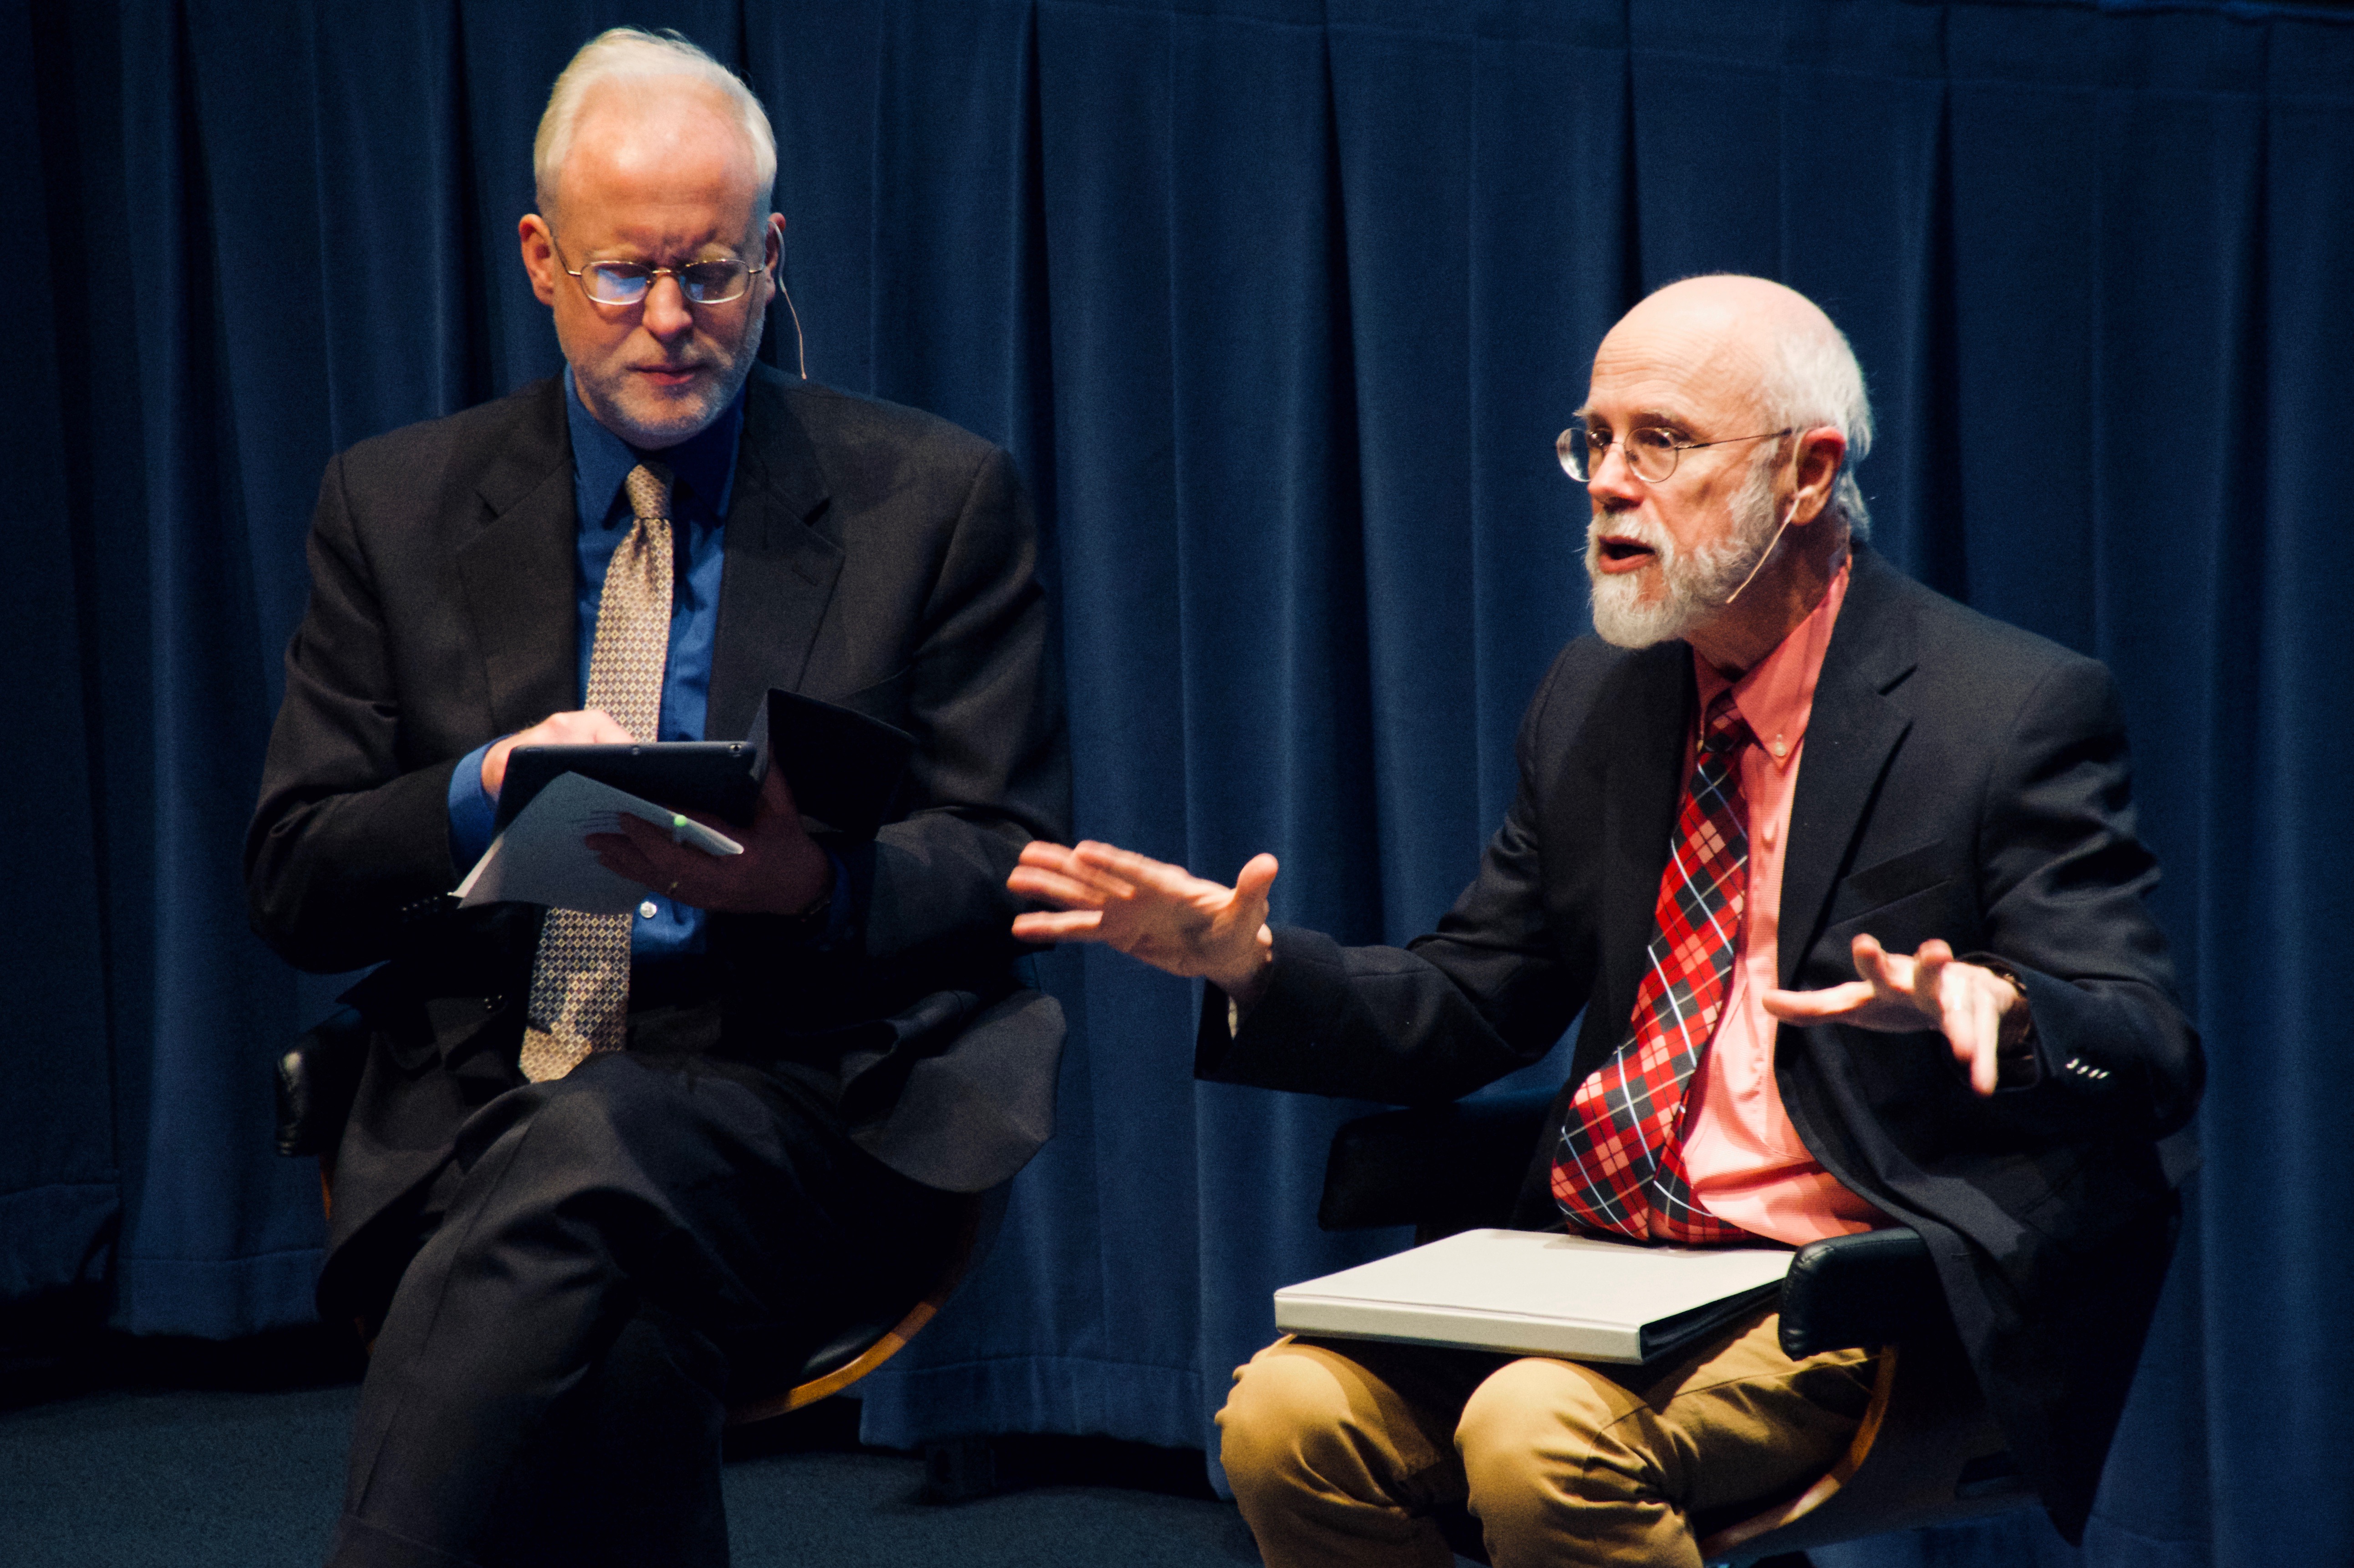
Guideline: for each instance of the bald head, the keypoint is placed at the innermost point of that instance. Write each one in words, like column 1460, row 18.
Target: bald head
column 676, row 141
column 1764, row 344
column 1745, row 403
column 625, row 69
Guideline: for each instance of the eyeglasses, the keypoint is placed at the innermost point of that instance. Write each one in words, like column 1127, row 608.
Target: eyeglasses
column 626, row 282
column 1651, row 450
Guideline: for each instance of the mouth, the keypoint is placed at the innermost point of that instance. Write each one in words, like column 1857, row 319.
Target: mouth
column 670, row 376
column 1616, row 553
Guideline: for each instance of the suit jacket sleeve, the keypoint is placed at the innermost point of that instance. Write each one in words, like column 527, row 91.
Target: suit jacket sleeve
column 352, row 827
column 2064, row 877
column 992, row 769
column 2002, row 823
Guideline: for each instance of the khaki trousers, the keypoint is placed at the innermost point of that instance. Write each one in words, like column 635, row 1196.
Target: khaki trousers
column 1338, row 1449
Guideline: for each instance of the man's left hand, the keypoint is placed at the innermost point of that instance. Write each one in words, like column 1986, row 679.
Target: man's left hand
column 1982, row 1014
column 782, row 871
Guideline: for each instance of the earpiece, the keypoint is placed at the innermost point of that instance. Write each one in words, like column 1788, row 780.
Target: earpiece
column 1788, row 512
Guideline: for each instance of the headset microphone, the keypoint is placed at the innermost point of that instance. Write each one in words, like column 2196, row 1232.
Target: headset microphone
column 1788, row 512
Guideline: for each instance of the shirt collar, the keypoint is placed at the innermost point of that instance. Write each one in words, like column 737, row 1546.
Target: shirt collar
column 1776, row 695
column 704, row 463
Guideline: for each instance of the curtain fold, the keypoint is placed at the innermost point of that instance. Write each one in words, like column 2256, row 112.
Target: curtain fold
column 1280, row 304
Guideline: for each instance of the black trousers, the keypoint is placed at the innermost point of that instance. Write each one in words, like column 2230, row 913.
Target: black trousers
column 622, row 1252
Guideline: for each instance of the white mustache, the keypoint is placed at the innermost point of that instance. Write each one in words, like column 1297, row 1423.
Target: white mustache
column 1629, row 526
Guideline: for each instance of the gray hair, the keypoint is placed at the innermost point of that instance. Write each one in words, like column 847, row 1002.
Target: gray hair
column 1813, row 382
column 633, row 55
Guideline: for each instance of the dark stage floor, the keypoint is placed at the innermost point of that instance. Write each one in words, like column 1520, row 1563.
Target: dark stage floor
column 122, row 1454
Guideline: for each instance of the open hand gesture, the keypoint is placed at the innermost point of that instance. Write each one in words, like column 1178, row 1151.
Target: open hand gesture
column 1151, row 910
column 1981, row 1013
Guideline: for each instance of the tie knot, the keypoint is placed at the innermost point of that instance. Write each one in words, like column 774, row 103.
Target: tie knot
column 1724, row 730
column 648, row 490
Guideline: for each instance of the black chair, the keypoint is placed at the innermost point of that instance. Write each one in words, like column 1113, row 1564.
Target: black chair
column 319, row 1077
column 1926, row 1452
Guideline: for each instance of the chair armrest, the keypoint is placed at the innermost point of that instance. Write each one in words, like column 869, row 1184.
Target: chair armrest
column 1437, row 1167
column 318, row 1078
column 1876, row 1288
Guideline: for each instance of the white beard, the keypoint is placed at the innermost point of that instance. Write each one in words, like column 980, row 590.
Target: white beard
column 1693, row 587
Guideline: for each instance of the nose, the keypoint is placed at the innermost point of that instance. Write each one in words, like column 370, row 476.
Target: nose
column 1614, row 485
column 667, row 313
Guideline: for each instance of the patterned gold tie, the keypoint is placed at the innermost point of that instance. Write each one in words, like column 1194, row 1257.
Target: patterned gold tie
column 580, row 981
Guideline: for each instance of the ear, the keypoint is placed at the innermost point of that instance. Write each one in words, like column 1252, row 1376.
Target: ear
column 1815, row 467
column 538, row 246
column 772, row 252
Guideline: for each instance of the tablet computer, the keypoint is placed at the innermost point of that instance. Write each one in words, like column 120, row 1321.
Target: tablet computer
column 717, row 778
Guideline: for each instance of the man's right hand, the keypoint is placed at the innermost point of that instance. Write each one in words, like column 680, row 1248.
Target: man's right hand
column 1150, row 910
column 589, row 727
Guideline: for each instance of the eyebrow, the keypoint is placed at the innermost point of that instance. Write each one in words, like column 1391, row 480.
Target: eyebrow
column 685, row 260
column 1645, row 417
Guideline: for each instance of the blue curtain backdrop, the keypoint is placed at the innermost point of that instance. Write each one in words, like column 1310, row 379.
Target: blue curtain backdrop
column 1279, row 302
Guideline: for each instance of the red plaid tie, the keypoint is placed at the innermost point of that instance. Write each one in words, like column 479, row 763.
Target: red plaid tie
column 1620, row 1165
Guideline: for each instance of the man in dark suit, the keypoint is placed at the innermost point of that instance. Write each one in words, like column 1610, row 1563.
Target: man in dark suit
column 601, row 1178
column 1757, row 821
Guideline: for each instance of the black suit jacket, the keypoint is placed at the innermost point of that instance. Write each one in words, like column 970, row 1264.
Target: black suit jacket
column 874, row 556
column 1962, row 780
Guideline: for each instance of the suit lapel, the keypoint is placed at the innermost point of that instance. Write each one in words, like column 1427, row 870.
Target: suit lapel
column 1851, row 735
column 517, row 570
column 1640, row 797
column 780, row 571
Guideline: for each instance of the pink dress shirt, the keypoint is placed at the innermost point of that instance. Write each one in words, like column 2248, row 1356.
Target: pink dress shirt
column 1744, row 1159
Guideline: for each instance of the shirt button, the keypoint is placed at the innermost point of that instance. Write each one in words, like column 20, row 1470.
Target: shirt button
column 649, row 909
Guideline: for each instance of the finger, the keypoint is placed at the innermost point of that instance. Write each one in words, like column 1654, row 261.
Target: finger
column 1141, row 871
column 1032, row 881
column 1870, row 957
column 647, row 855
column 602, row 729
column 1070, row 863
column 1983, row 1029
column 1891, row 974
column 1934, row 953
column 658, row 839
column 1074, row 925
column 1931, row 966
column 1049, row 858
column 1094, row 884
column 1813, row 1006
column 614, row 851
column 1253, row 882
column 652, row 844
column 620, row 858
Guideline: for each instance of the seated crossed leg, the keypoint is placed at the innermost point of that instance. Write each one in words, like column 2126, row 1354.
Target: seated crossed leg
column 626, row 1248
column 1339, row 1450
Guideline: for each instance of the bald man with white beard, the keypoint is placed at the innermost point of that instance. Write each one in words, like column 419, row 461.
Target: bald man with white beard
column 1939, row 1000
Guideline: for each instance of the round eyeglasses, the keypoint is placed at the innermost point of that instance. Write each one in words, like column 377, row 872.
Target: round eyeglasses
column 1650, row 451
column 627, row 282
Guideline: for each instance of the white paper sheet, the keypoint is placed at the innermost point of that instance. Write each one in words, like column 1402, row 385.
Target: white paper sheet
column 540, row 858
